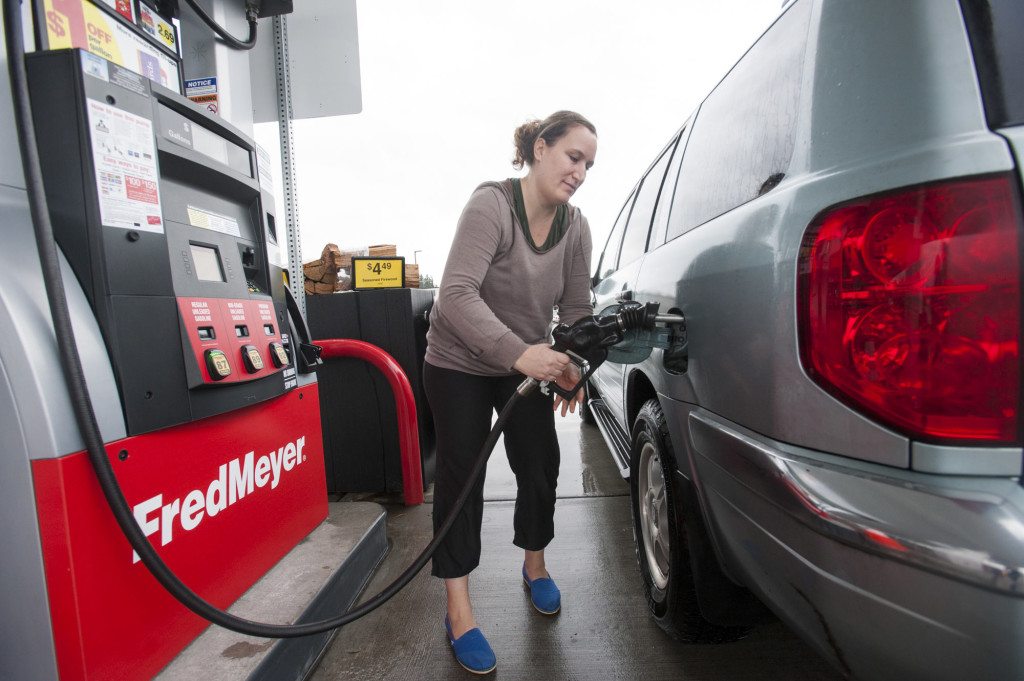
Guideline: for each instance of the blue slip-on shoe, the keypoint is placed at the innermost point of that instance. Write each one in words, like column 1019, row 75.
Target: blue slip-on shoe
column 472, row 650
column 544, row 595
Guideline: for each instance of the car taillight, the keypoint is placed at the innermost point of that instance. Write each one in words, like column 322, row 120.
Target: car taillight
column 909, row 309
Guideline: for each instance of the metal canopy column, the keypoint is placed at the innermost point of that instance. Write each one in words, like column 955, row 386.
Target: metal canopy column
column 284, row 117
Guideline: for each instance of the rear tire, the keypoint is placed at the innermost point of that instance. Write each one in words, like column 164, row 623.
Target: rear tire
column 662, row 543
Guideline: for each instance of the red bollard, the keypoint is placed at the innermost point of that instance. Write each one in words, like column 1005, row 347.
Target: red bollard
column 405, row 407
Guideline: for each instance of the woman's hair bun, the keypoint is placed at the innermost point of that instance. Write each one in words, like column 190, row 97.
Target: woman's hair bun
column 523, row 139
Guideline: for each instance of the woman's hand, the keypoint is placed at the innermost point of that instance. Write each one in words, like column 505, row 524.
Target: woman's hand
column 542, row 363
column 569, row 378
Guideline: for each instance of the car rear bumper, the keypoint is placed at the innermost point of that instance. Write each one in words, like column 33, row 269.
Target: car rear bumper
column 890, row 573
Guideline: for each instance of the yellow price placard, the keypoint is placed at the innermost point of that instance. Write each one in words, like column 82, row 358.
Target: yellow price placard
column 377, row 273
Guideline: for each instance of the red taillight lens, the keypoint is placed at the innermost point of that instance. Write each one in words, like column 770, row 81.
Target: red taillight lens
column 910, row 309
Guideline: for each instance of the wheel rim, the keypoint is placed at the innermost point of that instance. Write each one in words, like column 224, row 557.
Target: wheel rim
column 654, row 515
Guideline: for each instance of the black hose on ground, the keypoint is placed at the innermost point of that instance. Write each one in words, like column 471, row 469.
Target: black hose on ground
column 86, row 418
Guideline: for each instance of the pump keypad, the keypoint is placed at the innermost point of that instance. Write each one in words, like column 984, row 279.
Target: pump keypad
column 217, row 364
column 252, row 359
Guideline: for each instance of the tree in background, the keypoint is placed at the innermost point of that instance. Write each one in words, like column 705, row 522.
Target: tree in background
column 426, row 281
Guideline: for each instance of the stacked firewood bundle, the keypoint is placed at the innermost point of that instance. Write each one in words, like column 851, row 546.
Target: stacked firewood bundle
column 412, row 275
column 322, row 275
column 382, row 251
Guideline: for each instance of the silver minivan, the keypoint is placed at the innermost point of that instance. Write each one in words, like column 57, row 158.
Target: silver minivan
column 836, row 432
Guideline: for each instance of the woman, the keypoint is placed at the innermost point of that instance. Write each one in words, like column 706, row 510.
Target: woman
column 520, row 249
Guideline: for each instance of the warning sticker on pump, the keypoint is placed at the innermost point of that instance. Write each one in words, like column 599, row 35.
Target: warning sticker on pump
column 124, row 158
column 197, row 217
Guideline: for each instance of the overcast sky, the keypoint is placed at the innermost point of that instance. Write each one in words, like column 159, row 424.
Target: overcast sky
column 444, row 84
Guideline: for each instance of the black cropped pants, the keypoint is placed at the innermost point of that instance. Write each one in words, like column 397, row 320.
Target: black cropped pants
column 463, row 405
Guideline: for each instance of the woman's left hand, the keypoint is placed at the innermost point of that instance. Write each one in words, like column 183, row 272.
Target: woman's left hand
column 569, row 377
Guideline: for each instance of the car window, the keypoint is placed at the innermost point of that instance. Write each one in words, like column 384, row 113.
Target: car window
column 994, row 29
column 668, row 190
column 610, row 257
column 742, row 139
column 634, row 244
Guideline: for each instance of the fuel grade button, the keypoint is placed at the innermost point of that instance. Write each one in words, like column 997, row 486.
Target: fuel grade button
column 217, row 364
column 252, row 359
column 278, row 355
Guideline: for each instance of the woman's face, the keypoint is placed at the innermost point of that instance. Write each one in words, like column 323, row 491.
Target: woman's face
column 560, row 168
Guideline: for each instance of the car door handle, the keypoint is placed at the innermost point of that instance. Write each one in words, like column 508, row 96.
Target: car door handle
column 624, row 295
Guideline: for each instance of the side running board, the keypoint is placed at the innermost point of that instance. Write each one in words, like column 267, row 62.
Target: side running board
column 614, row 435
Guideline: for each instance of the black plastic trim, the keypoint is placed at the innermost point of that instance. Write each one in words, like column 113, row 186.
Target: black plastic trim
column 616, row 438
column 994, row 28
column 297, row 658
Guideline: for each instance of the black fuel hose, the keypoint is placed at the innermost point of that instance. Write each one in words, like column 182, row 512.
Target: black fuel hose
column 232, row 41
column 86, row 418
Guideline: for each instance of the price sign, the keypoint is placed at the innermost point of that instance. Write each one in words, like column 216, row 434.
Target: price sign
column 377, row 273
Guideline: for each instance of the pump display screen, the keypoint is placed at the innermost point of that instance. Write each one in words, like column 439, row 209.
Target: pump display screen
column 187, row 133
column 207, row 263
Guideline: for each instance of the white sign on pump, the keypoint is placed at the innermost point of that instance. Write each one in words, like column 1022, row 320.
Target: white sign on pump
column 124, row 159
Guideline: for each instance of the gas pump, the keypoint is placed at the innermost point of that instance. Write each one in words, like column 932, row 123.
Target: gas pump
column 167, row 232
column 177, row 293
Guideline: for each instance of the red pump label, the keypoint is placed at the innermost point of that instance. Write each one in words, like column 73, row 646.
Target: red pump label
column 230, row 337
column 235, row 480
column 222, row 499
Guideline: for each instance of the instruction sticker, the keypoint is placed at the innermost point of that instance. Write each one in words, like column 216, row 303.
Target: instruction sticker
column 204, row 219
column 263, row 168
column 124, row 158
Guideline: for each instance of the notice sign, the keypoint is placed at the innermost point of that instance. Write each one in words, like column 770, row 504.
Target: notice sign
column 378, row 273
column 124, row 159
column 203, row 91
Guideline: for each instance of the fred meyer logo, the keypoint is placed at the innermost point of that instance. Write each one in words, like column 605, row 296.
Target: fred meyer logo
column 235, row 480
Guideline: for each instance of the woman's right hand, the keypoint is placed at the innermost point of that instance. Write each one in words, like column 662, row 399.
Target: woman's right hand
column 541, row 362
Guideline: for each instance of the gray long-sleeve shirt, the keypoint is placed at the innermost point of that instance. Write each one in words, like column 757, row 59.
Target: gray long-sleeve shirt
column 497, row 290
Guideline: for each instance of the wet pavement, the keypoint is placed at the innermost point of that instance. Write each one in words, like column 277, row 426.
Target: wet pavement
column 603, row 631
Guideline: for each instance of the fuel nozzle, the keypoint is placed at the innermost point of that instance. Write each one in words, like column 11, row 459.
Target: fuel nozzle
column 588, row 339
column 603, row 331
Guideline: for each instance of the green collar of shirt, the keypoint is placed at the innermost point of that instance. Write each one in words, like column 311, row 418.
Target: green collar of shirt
column 558, row 226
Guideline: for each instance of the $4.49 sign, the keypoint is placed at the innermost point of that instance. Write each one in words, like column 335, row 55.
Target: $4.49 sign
column 377, row 273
